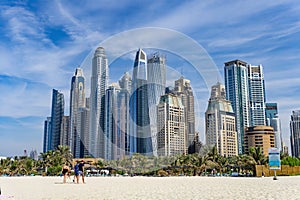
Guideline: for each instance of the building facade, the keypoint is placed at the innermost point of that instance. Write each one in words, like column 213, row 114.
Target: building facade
column 220, row 129
column 171, row 126
column 111, row 140
column 156, row 82
column 77, row 101
column 184, row 90
column 259, row 136
column 295, row 133
column 257, row 97
column 272, row 119
column 236, row 84
column 124, row 118
column 47, row 135
column 139, row 111
column 99, row 81
column 57, row 114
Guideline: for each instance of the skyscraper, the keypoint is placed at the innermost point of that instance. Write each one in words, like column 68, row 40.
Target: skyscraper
column 77, row 101
column 295, row 133
column 236, row 84
column 256, row 95
column 272, row 119
column 99, row 81
column 220, row 123
column 156, row 82
column 57, row 114
column 170, row 126
column 184, row 90
column 124, row 119
column 139, row 113
column 47, row 135
column 65, row 130
column 111, row 140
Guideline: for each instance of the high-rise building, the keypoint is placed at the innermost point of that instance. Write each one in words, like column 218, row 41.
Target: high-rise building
column 236, row 84
column 139, row 112
column 65, row 130
column 256, row 95
column 99, row 81
column 184, row 90
column 77, row 101
column 57, row 114
column 259, row 136
column 295, row 133
column 170, row 126
column 156, row 82
column 124, row 119
column 47, row 135
column 220, row 123
column 111, row 140
column 84, row 127
column 272, row 119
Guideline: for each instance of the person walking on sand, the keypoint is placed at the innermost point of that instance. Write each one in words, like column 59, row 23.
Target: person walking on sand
column 65, row 171
column 76, row 172
column 81, row 170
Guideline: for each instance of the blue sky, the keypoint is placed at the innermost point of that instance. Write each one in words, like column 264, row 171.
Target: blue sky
column 42, row 42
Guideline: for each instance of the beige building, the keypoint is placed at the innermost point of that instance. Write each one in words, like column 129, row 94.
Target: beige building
column 259, row 136
column 170, row 126
column 184, row 90
column 220, row 127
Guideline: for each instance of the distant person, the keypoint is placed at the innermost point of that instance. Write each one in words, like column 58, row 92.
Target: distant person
column 65, row 172
column 81, row 170
column 76, row 172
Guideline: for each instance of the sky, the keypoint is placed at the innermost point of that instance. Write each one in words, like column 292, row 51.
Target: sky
column 42, row 43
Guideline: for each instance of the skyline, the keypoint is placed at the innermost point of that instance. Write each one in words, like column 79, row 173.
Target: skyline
column 42, row 43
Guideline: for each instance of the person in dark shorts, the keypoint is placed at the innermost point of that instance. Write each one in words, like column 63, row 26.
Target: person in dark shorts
column 65, row 172
column 81, row 170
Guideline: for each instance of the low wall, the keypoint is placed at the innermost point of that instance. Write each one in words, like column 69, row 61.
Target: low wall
column 285, row 170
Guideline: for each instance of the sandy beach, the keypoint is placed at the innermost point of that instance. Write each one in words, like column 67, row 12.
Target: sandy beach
column 151, row 188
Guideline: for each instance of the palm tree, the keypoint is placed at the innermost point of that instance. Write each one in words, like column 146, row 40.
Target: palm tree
column 258, row 155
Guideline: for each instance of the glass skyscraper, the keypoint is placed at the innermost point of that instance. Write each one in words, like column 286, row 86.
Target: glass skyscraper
column 99, row 81
column 77, row 101
column 237, row 90
column 272, row 119
column 124, row 119
column 111, row 140
column 139, row 111
column 256, row 95
column 156, row 82
column 57, row 114
column 295, row 133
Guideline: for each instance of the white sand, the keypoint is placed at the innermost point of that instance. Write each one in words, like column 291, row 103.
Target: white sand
column 151, row 188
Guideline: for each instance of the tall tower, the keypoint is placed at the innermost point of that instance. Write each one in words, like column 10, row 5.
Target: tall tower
column 220, row 127
column 272, row 119
column 99, row 81
column 236, row 84
column 111, row 141
column 184, row 90
column 57, row 114
column 77, row 101
column 139, row 113
column 156, row 78
column 171, row 126
column 124, row 118
column 295, row 133
column 256, row 95
column 47, row 134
